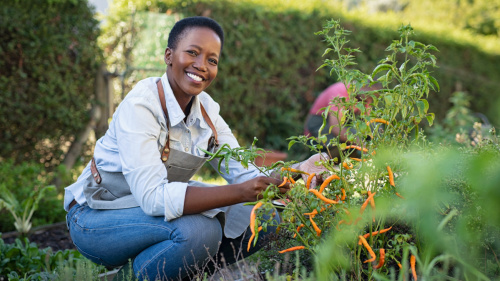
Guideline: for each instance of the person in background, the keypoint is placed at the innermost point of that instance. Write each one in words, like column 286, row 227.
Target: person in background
column 314, row 119
column 135, row 199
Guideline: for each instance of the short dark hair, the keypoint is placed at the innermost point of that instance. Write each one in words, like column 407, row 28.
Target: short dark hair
column 185, row 24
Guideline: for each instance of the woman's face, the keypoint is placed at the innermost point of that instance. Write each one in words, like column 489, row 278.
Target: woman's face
column 192, row 65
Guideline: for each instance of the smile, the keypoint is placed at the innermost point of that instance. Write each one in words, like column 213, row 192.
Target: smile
column 195, row 77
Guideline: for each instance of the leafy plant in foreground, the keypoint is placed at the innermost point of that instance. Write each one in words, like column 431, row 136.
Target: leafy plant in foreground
column 367, row 220
column 22, row 211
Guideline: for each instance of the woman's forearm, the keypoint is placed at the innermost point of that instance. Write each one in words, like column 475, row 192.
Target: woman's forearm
column 200, row 199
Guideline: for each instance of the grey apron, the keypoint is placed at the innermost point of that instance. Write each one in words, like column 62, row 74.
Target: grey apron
column 110, row 190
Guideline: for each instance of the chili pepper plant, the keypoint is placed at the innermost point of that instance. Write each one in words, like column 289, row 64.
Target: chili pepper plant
column 356, row 221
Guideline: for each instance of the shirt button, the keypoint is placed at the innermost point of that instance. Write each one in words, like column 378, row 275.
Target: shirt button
column 186, row 149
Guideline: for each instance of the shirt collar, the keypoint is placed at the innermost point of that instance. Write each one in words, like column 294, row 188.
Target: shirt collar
column 175, row 112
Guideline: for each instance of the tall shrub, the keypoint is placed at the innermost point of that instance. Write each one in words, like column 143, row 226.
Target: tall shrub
column 47, row 72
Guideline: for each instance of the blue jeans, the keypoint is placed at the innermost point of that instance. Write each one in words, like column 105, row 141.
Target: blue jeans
column 159, row 249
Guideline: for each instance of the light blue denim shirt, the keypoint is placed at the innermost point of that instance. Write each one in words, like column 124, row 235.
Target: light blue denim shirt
column 135, row 137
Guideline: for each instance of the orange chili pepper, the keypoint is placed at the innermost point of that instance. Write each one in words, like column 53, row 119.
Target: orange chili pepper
column 251, row 238
column 343, row 222
column 252, row 216
column 400, row 266
column 285, row 180
column 375, row 233
column 309, row 180
column 313, row 213
column 377, row 120
column 381, row 259
column 372, row 204
column 292, row 170
column 357, row 220
column 412, row 264
column 364, row 149
column 323, row 198
column 318, row 231
column 291, row 180
column 363, row 240
column 356, row 159
column 346, row 166
column 292, row 249
column 363, row 207
column 298, row 229
column 343, row 194
column 327, row 181
column 399, row 195
column 391, row 176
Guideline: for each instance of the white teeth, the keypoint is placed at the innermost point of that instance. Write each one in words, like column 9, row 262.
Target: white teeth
column 195, row 77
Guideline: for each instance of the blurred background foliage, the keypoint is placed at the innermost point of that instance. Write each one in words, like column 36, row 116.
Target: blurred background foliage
column 268, row 72
column 268, row 79
column 49, row 60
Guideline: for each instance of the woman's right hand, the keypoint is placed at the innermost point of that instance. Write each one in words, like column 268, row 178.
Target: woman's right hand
column 252, row 189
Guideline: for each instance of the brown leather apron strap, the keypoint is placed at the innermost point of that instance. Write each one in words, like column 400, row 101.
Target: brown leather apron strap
column 95, row 172
column 166, row 149
column 209, row 122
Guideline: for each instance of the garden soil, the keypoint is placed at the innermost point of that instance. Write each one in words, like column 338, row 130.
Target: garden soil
column 55, row 236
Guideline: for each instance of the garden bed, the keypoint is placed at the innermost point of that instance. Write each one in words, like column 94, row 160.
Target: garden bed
column 55, row 236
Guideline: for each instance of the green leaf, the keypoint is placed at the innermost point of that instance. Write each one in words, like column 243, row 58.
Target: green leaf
column 381, row 67
column 328, row 50
column 430, row 118
column 434, row 82
column 388, row 100
column 422, row 106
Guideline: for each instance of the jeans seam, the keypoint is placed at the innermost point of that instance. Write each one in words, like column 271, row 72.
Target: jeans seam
column 144, row 265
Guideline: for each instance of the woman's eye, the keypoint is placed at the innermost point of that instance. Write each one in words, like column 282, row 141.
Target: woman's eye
column 213, row 61
column 191, row 53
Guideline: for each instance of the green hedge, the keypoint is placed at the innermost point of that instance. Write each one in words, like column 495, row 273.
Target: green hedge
column 49, row 62
column 267, row 75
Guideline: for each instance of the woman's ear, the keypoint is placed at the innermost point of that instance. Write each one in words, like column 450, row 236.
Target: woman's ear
column 168, row 56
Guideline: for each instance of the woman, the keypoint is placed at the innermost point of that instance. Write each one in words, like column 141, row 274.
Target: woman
column 135, row 200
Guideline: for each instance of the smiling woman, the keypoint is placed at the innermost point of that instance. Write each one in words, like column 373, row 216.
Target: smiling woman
column 136, row 201
column 192, row 63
